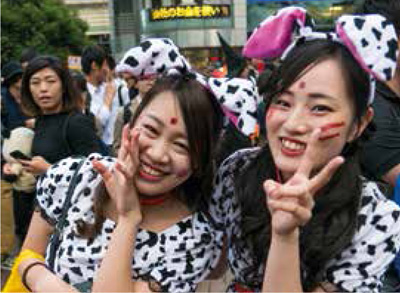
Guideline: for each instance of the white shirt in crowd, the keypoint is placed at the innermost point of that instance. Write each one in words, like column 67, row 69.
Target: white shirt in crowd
column 105, row 115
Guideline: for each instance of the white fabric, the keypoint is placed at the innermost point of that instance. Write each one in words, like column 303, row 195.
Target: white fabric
column 105, row 115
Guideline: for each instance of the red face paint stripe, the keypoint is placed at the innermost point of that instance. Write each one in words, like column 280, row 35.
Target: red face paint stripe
column 270, row 112
column 322, row 138
column 332, row 125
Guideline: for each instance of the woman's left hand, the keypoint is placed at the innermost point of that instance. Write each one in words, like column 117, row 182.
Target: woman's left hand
column 120, row 181
column 36, row 166
column 291, row 203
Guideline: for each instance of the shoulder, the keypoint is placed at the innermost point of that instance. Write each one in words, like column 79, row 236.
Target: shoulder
column 53, row 186
column 76, row 118
column 377, row 213
column 239, row 160
column 361, row 266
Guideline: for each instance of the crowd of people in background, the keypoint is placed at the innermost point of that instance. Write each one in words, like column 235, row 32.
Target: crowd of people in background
column 148, row 175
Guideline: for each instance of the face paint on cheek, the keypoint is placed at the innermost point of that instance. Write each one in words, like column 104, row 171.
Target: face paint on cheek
column 332, row 125
column 328, row 127
column 322, row 138
column 182, row 173
column 174, row 120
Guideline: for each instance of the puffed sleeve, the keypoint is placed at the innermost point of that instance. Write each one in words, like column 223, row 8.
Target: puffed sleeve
column 360, row 267
column 223, row 206
column 52, row 187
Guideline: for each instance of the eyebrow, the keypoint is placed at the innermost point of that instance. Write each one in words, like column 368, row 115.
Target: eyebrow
column 45, row 77
column 314, row 95
column 161, row 123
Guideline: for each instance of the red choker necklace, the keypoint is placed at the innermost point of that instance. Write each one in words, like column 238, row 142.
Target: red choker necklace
column 153, row 200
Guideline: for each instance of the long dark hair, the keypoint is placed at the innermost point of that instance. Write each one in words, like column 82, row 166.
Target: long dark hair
column 203, row 120
column 71, row 99
column 334, row 220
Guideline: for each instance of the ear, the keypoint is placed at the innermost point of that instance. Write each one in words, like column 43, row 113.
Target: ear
column 359, row 128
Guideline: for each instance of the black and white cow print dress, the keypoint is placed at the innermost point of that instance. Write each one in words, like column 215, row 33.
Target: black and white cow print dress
column 177, row 258
column 359, row 268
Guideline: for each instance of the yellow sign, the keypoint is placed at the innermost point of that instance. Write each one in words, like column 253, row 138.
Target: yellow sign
column 189, row 12
column 74, row 62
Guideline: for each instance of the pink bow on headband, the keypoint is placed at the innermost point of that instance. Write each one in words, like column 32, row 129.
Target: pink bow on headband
column 370, row 38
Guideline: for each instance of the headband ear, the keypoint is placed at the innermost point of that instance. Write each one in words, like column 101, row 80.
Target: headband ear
column 372, row 41
column 274, row 34
column 153, row 56
column 238, row 98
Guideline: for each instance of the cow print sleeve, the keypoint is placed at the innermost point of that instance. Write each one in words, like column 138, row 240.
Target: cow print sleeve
column 52, row 187
column 361, row 267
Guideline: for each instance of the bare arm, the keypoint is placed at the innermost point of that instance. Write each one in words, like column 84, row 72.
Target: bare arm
column 39, row 278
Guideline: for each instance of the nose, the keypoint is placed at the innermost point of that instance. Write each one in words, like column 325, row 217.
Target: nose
column 158, row 152
column 296, row 122
column 43, row 86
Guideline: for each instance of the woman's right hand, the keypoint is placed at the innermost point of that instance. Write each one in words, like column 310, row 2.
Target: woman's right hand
column 291, row 203
column 119, row 181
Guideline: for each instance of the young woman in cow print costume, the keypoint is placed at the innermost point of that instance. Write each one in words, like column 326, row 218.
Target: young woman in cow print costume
column 297, row 213
column 137, row 223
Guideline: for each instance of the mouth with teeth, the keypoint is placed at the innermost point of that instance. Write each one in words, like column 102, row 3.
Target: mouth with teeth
column 149, row 173
column 292, row 147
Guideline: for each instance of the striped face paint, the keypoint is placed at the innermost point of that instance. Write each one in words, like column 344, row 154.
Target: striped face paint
column 328, row 127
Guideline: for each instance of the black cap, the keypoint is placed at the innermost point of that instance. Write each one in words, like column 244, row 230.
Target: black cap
column 10, row 71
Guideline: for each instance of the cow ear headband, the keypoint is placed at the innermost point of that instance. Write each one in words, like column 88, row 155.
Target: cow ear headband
column 237, row 97
column 371, row 39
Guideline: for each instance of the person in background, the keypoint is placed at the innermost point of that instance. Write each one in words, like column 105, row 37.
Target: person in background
column 102, row 91
column 13, row 117
column 298, row 215
column 27, row 55
column 11, row 112
column 61, row 129
column 381, row 154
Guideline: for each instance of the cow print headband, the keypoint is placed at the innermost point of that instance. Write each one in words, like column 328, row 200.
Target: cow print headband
column 238, row 97
column 371, row 39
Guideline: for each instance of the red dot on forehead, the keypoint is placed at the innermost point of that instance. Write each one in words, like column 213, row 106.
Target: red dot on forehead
column 302, row 84
column 174, row 120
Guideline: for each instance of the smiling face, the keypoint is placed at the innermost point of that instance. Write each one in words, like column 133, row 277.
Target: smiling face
column 163, row 147
column 318, row 99
column 46, row 88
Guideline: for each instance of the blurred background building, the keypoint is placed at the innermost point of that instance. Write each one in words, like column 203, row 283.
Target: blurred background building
column 192, row 24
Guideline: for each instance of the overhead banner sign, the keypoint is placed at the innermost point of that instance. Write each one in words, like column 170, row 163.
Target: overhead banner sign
column 189, row 12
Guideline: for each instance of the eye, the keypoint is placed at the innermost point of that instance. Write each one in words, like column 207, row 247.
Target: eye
column 150, row 130
column 281, row 103
column 321, row 109
column 181, row 146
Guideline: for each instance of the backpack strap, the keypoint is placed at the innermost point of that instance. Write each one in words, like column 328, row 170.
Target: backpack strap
column 127, row 115
column 120, row 100
column 57, row 235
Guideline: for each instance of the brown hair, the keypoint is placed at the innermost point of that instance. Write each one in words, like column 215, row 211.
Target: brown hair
column 203, row 120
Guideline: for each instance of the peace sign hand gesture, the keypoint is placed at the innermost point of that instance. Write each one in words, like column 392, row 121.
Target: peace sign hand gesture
column 120, row 181
column 291, row 203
